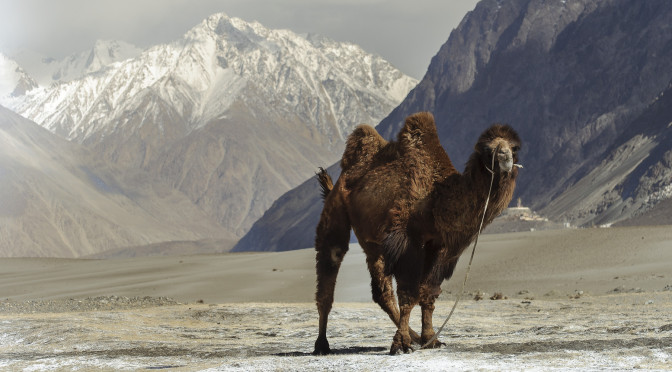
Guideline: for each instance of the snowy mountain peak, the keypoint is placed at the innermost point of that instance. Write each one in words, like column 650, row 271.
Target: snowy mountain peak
column 219, row 61
column 102, row 54
column 48, row 70
column 222, row 24
column 14, row 81
column 106, row 52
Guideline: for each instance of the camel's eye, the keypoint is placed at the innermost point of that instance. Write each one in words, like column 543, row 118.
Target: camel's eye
column 515, row 148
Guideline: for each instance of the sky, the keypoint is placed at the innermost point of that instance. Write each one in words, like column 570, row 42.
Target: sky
column 408, row 33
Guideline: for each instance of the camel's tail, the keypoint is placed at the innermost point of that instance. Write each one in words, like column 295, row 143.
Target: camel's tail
column 325, row 182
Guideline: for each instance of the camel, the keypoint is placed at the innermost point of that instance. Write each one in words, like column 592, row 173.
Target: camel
column 413, row 214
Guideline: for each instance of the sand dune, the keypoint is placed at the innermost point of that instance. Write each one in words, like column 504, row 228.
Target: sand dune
column 557, row 262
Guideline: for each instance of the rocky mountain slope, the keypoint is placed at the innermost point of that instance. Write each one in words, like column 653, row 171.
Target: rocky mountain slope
column 59, row 199
column 586, row 84
column 232, row 114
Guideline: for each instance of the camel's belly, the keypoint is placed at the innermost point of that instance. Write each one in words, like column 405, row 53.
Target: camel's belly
column 369, row 215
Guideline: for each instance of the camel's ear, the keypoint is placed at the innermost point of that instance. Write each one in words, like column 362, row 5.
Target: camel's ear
column 477, row 148
column 481, row 148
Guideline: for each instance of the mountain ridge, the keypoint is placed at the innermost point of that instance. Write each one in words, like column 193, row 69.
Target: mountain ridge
column 575, row 78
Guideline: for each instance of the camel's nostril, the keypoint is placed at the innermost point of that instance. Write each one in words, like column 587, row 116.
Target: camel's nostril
column 505, row 158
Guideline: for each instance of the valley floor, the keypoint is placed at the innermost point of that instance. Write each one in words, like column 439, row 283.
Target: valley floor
column 590, row 299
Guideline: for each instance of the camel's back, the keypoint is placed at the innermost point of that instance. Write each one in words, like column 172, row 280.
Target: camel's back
column 418, row 138
column 386, row 181
column 416, row 159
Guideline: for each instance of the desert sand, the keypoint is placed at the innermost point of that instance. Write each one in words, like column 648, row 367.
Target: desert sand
column 575, row 299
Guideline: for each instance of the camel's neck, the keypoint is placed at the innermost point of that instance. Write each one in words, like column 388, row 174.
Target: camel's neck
column 460, row 202
column 477, row 179
column 458, row 208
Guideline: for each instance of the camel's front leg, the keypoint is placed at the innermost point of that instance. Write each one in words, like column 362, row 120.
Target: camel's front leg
column 428, row 294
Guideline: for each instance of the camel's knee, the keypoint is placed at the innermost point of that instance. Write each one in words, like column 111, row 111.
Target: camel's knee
column 376, row 294
column 337, row 254
column 330, row 258
column 328, row 263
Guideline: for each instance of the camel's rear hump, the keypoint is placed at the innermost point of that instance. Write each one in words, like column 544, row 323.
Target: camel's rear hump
column 419, row 134
column 417, row 127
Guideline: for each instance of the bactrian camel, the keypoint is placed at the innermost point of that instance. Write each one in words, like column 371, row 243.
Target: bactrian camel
column 413, row 214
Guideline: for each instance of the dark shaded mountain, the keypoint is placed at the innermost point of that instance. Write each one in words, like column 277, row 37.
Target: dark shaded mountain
column 585, row 83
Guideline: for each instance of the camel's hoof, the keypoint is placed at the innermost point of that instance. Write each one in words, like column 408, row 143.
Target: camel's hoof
column 401, row 343
column 433, row 345
column 321, row 347
column 397, row 349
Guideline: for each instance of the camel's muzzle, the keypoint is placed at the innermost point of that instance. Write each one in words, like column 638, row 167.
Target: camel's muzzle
column 505, row 160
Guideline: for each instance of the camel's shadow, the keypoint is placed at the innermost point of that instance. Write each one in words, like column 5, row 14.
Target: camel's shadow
column 345, row 351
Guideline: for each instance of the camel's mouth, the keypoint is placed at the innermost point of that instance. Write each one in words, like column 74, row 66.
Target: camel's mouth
column 504, row 153
column 506, row 165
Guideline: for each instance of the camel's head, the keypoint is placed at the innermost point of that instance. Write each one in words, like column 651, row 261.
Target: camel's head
column 501, row 142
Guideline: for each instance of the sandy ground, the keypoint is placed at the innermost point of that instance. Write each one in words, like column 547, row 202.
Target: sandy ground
column 591, row 299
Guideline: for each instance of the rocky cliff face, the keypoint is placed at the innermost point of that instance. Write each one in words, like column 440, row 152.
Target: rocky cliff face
column 633, row 180
column 583, row 82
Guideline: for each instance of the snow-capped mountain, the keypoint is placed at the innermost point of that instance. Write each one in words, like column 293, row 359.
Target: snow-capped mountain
column 233, row 114
column 202, row 73
column 14, row 81
column 46, row 70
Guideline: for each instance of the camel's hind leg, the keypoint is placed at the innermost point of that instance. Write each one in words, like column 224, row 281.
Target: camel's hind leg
column 331, row 244
column 382, row 290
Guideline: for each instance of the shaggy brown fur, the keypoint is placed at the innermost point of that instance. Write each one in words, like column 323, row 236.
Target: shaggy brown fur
column 413, row 214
